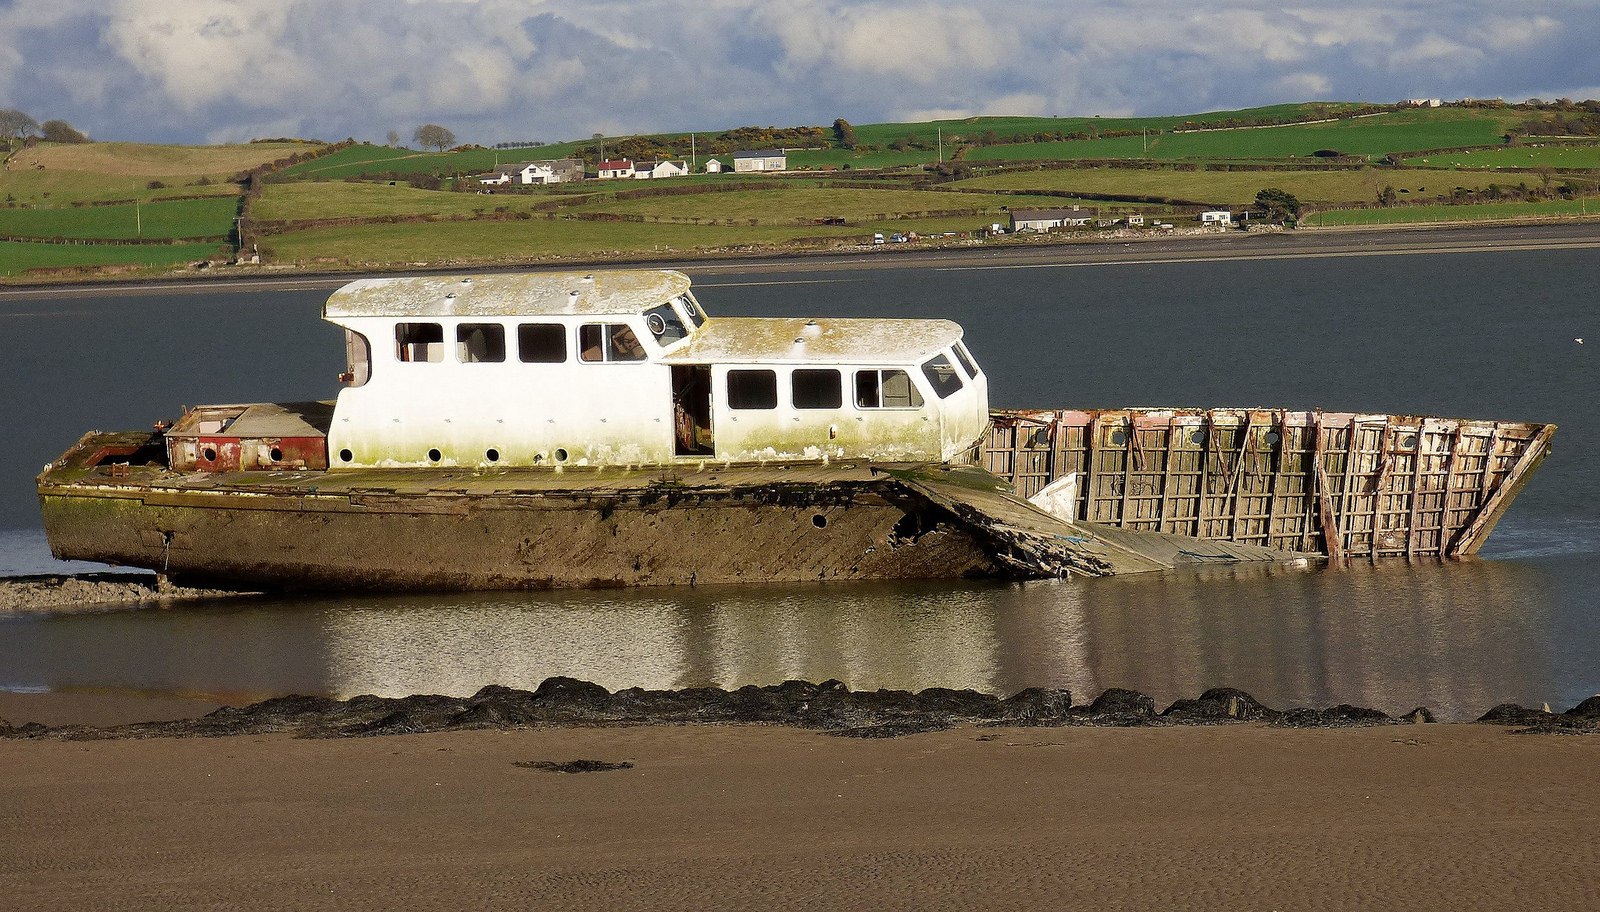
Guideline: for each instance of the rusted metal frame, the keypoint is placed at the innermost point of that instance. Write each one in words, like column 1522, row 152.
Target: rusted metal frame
column 1313, row 476
column 1487, row 482
column 1128, row 449
column 1237, row 483
column 1016, row 453
column 1200, row 513
column 1379, row 482
column 1166, row 474
column 1535, row 450
column 1451, row 465
column 1332, row 538
column 1416, row 488
column 1342, row 516
column 1050, row 456
column 1091, row 478
column 1277, row 475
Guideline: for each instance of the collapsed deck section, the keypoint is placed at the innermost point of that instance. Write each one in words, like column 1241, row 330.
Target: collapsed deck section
column 1340, row 484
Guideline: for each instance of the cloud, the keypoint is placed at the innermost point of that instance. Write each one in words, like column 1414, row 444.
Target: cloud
column 189, row 70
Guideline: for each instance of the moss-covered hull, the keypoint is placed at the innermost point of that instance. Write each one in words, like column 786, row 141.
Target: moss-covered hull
column 458, row 529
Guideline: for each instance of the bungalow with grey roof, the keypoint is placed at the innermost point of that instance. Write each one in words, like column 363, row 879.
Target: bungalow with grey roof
column 761, row 160
column 1047, row 219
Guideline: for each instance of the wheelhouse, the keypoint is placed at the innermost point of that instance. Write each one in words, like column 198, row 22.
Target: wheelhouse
column 626, row 368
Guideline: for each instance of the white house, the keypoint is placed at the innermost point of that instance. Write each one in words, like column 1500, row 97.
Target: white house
column 1046, row 219
column 621, row 167
column 713, row 166
column 1222, row 218
column 1135, row 220
column 761, row 160
column 647, row 170
column 554, row 171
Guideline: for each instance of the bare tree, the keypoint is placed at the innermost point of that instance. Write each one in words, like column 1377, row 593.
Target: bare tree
column 393, row 138
column 435, row 137
column 59, row 131
column 15, row 125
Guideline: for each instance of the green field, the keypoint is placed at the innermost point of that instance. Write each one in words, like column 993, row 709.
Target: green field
column 199, row 218
column 1552, row 156
column 338, row 199
column 780, row 206
column 483, row 242
column 970, row 128
column 16, row 256
column 1399, row 131
column 1236, row 187
column 1470, row 212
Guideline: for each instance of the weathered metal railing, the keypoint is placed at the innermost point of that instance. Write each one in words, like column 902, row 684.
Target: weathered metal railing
column 1342, row 484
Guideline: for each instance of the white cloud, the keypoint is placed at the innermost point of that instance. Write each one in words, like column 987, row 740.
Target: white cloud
column 182, row 70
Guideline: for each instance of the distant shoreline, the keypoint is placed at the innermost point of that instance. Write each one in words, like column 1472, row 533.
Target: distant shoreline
column 1036, row 251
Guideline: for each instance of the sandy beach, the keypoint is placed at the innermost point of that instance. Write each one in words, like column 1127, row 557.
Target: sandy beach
column 1454, row 816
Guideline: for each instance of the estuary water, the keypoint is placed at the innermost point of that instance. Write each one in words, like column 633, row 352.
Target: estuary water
column 1481, row 334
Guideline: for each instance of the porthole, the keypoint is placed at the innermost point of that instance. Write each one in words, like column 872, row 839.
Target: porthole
column 492, row 454
column 538, row 458
column 210, row 454
column 1408, row 441
column 275, row 454
column 561, row 455
column 1271, row 438
column 434, row 455
column 820, row 521
column 1198, row 437
column 1119, row 437
column 346, row 455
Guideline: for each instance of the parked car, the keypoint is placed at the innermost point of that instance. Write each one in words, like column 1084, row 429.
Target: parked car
column 877, row 239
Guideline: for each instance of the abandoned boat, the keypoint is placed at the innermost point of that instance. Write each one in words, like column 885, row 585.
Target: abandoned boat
column 565, row 429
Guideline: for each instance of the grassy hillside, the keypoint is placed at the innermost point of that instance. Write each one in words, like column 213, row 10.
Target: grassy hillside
column 195, row 218
column 1236, row 188
column 991, row 164
column 1376, row 136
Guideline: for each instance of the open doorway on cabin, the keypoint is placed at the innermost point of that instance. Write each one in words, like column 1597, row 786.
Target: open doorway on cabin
column 691, row 410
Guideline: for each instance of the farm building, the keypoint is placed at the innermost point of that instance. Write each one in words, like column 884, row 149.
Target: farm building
column 761, row 160
column 1047, row 219
column 554, row 171
column 621, row 167
column 713, row 166
column 647, row 170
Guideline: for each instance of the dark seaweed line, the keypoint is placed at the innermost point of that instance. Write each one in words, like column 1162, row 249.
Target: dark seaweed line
column 829, row 707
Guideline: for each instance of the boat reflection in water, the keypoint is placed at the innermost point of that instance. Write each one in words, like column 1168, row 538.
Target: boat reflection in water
column 1457, row 637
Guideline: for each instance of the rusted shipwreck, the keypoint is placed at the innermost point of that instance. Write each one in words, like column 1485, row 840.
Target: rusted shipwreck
column 562, row 429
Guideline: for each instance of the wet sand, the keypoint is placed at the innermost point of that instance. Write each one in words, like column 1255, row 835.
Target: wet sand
column 1456, row 816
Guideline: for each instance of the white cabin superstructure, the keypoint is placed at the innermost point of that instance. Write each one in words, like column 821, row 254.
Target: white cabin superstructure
column 624, row 368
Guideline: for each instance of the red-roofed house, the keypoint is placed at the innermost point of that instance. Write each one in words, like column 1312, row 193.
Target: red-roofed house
column 618, row 168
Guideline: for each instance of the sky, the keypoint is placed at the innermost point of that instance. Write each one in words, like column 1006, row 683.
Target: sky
column 212, row 71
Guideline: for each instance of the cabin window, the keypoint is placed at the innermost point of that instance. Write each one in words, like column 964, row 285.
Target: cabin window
column 357, row 358
column 692, row 310
column 942, row 376
column 609, row 342
column 419, row 342
column 542, row 343
column 752, row 389
column 965, row 357
column 665, row 324
column 480, row 343
column 817, row 389
column 886, row 389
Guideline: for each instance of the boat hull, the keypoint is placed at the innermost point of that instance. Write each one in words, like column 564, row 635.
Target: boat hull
column 445, row 529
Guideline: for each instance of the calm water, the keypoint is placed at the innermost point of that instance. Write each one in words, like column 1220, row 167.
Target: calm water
column 1478, row 335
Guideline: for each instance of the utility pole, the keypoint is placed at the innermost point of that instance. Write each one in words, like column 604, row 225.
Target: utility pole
column 939, row 131
column 138, row 222
column 694, row 161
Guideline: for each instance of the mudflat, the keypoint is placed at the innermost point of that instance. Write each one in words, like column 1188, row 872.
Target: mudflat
column 1439, row 816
